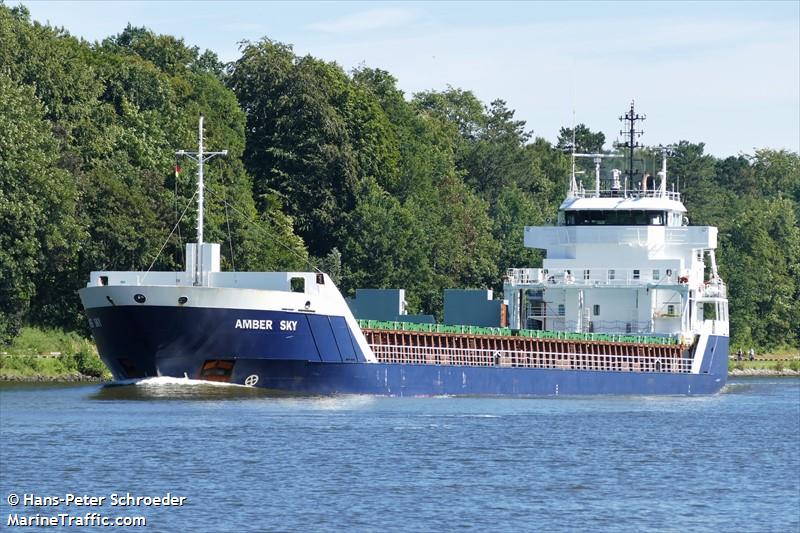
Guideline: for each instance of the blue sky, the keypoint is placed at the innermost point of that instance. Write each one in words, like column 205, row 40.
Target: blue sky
column 727, row 74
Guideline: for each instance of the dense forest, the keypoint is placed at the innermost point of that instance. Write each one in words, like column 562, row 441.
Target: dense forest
column 326, row 168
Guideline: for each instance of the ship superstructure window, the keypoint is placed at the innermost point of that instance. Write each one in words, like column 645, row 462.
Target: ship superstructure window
column 596, row 310
column 656, row 274
column 560, row 309
column 671, row 310
column 595, row 217
column 612, row 274
column 636, row 274
column 297, row 285
column 586, row 274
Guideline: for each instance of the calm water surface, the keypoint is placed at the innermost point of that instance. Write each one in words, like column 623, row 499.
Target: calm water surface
column 250, row 462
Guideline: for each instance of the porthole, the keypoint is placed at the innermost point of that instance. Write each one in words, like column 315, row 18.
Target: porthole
column 182, row 300
column 139, row 298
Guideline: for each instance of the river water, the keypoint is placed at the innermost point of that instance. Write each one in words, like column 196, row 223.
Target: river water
column 246, row 461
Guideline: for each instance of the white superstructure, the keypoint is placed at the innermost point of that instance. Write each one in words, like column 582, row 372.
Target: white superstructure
column 621, row 260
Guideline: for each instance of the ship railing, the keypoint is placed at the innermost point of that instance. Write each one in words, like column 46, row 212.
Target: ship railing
column 592, row 277
column 554, row 360
column 606, row 331
column 621, row 193
column 610, row 327
column 713, row 290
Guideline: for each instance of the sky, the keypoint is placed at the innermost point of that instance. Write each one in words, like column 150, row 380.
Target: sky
column 723, row 73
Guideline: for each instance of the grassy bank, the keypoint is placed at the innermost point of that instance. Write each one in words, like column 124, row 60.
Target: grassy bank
column 785, row 362
column 51, row 355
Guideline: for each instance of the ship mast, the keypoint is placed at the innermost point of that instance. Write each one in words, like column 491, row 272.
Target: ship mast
column 630, row 119
column 200, row 156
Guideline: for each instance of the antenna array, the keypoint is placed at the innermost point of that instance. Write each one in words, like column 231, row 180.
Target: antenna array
column 630, row 119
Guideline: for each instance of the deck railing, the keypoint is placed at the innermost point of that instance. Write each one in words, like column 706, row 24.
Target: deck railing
column 432, row 355
column 593, row 277
column 617, row 331
column 622, row 193
column 610, row 327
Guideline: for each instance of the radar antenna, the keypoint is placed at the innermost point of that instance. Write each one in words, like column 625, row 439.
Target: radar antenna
column 598, row 159
column 630, row 119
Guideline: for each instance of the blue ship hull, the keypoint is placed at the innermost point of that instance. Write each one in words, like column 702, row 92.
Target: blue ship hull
column 319, row 355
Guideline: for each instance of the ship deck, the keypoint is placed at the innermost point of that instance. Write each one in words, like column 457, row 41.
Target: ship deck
column 486, row 350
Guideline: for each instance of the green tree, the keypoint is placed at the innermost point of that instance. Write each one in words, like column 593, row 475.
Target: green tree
column 586, row 141
column 37, row 205
column 458, row 240
column 778, row 173
column 549, row 176
column 759, row 262
column 425, row 153
column 385, row 246
column 167, row 53
column 488, row 143
column 314, row 135
column 513, row 211
column 116, row 113
column 694, row 173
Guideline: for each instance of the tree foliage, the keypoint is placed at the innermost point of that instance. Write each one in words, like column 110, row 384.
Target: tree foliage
column 584, row 140
column 87, row 181
column 313, row 136
column 37, row 205
column 753, row 202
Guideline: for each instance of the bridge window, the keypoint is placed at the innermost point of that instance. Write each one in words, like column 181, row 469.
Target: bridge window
column 596, row 217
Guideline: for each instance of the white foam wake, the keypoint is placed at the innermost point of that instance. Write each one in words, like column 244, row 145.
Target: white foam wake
column 162, row 381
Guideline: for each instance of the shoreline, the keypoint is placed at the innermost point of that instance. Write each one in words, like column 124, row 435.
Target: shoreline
column 58, row 378
column 761, row 372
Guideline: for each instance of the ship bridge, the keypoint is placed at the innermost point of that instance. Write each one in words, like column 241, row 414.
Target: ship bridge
column 621, row 259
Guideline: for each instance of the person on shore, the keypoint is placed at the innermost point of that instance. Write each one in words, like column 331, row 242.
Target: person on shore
column 739, row 354
column 751, row 354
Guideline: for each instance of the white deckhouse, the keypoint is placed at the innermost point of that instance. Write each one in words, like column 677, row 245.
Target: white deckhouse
column 621, row 260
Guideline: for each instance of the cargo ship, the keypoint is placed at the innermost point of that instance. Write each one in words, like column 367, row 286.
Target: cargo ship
column 627, row 302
